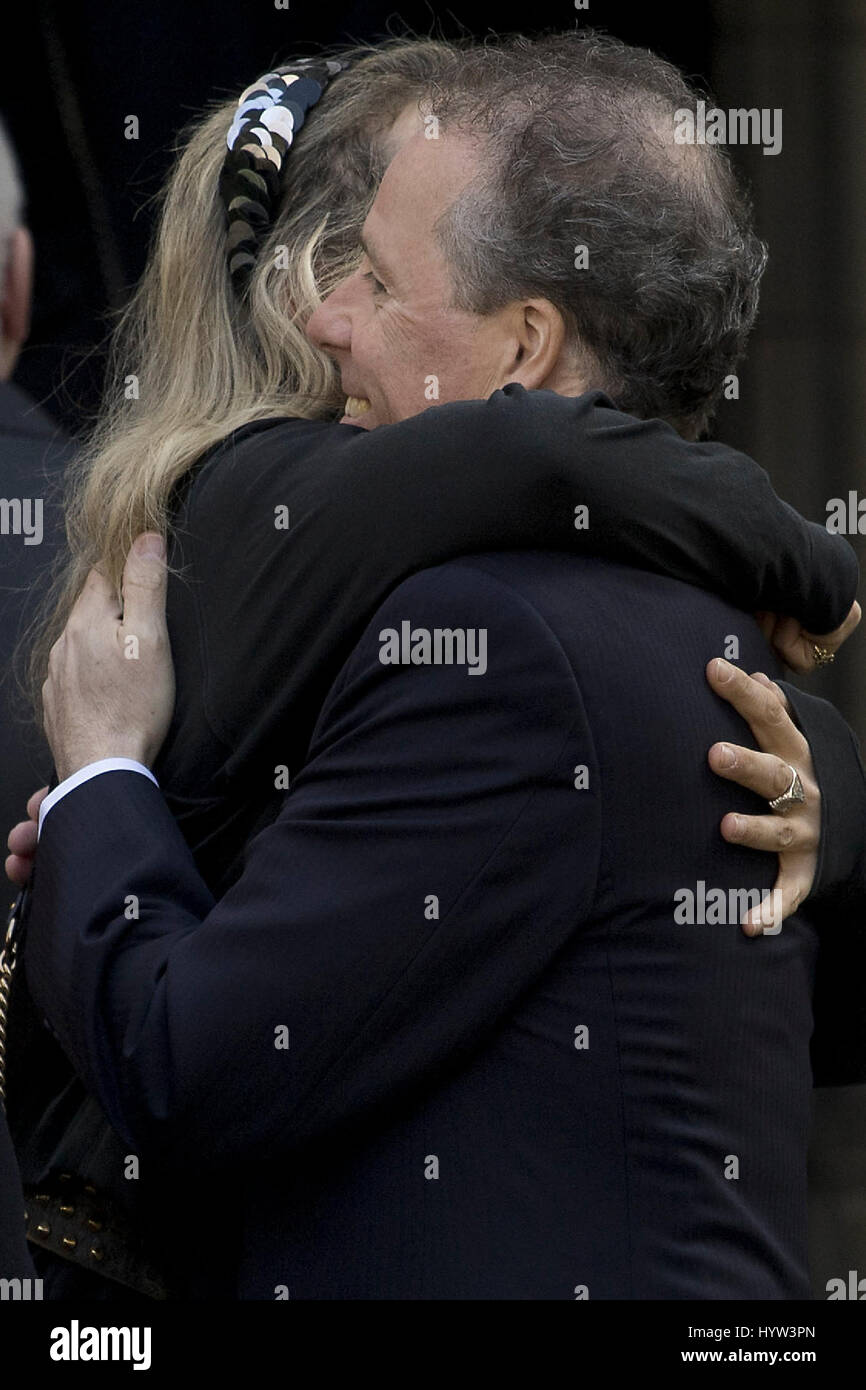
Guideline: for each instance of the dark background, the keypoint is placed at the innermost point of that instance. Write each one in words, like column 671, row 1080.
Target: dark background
column 74, row 72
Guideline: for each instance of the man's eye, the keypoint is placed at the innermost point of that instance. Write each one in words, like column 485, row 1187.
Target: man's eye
column 378, row 287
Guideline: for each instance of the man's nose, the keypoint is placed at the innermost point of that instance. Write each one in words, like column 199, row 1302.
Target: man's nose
column 330, row 326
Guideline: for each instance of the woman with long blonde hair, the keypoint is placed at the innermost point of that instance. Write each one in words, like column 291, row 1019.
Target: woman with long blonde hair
column 286, row 529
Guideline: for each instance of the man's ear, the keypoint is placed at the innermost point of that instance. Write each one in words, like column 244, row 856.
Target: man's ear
column 537, row 340
column 16, row 299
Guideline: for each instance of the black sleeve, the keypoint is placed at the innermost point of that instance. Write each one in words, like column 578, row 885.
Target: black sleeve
column 837, row 904
column 367, row 508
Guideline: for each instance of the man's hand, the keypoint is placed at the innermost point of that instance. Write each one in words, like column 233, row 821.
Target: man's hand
column 795, row 646
column 110, row 686
column 794, row 836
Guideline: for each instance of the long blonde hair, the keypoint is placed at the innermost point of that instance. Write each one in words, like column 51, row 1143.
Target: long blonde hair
column 189, row 362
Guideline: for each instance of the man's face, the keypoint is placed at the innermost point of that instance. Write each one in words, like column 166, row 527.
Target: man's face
column 398, row 345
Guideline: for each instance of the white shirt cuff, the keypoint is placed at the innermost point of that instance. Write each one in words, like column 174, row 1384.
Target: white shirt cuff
column 84, row 774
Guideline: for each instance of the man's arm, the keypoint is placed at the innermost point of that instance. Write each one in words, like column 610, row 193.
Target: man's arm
column 382, row 924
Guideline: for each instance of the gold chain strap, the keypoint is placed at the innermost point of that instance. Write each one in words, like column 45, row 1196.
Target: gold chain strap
column 8, row 958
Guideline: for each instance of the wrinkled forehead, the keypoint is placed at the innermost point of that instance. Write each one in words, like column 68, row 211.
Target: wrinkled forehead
column 420, row 184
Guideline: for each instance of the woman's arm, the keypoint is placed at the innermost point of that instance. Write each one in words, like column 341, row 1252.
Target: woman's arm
column 295, row 535
column 823, row 863
column 511, row 472
column 838, row 902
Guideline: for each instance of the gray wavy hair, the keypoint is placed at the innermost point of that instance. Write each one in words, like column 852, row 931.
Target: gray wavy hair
column 577, row 140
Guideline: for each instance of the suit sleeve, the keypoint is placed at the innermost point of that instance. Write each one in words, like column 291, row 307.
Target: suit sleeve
column 368, row 508
column 381, row 926
column 837, row 904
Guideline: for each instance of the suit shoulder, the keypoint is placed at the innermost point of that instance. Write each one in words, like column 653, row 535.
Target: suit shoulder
column 464, row 596
column 607, row 620
column 480, row 580
column 584, row 586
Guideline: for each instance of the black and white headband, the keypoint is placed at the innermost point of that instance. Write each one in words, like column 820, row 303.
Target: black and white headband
column 268, row 116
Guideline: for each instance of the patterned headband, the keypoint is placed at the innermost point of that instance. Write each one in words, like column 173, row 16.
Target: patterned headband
column 269, row 113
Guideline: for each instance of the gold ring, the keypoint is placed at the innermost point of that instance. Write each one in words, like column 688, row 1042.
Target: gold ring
column 823, row 656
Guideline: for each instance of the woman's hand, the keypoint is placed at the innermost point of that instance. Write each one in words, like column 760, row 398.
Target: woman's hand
column 110, row 686
column 795, row 646
column 796, row 835
column 22, row 841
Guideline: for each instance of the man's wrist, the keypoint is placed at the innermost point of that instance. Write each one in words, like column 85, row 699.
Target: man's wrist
column 126, row 750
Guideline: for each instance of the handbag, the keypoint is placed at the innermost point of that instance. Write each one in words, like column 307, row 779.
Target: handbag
column 64, row 1214
column 8, row 959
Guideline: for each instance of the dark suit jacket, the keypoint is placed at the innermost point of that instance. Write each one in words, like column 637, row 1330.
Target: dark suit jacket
column 510, row 1072
column 33, row 455
column 262, row 619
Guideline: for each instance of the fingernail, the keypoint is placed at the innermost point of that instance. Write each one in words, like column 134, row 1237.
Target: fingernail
column 149, row 544
column 726, row 756
column 724, row 670
column 736, row 829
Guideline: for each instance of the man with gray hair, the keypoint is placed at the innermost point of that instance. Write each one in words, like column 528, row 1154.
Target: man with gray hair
column 560, row 188
column 516, row 1070
column 33, row 454
column 25, row 437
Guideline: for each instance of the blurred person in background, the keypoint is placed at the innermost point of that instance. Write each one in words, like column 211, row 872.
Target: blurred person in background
column 34, row 453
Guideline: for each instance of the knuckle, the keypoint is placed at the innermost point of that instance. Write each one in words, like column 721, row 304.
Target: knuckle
column 780, row 695
column 775, row 713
